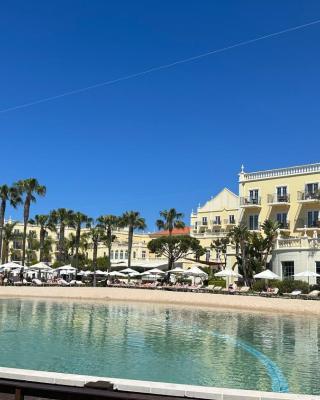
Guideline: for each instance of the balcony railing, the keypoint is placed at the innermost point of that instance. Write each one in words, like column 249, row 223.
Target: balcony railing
column 277, row 198
column 284, row 225
column 313, row 196
column 302, row 223
column 229, row 222
column 216, row 222
column 250, row 201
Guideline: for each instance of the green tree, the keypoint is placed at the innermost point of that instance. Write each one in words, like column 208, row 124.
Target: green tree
column 220, row 246
column 174, row 247
column 78, row 221
column 9, row 235
column 270, row 229
column 11, row 195
column 133, row 221
column 32, row 247
column 29, row 188
column 44, row 221
column 240, row 235
column 109, row 223
column 62, row 218
column 170, row 219
column 95, row 235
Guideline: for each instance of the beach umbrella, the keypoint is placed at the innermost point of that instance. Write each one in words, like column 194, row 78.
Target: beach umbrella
column 307, row 274
column 177, row 270
column 117, row 273
column 9, row 266
column 228, row 273
column 129, row 271
column 196, row 271
column 267, row 274
column 154, row 271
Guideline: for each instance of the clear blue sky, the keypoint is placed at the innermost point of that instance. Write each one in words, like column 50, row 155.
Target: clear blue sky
column 172, row 138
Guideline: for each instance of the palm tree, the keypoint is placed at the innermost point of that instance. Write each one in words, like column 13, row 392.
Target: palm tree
column 109, row 223
column 32, row 246
column 77, row 221
column 240, row 236
column 45, row 222
column 170, row 219
column 9, row 235
column 7, row 194
column 132, row 220
column 96, row 235
column 29, row 188
column 63, row 218
column 270, row 230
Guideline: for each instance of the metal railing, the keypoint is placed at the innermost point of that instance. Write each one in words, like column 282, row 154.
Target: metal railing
column 303, row 196
column 250, row 201
column 302, row 223
column 277, row 198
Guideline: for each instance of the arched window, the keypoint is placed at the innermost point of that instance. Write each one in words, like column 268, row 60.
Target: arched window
column 116, row 254
column 121, row 254
column 111, row 255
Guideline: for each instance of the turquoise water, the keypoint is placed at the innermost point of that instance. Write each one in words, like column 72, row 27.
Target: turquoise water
column 158, row 343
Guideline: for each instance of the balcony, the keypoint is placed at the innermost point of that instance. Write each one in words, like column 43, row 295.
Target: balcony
column 284, row 226
column 250, row 202
column 216, row 223
column 228, row 222
column 309, row 197
column 304, row 224
column 277, row 199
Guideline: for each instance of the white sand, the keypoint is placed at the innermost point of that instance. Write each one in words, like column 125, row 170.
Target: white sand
column 236, row 302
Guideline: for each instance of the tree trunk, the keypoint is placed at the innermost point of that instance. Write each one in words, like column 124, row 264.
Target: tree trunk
column 2, row 214
column 130, row 237
column 244, row 263
column 25, row 224
column 109, row 236
column 78, row 235
column 42, row 238
column 61, row 244
column 94, row 262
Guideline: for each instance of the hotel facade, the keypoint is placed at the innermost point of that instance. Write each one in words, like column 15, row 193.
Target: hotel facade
column 290, row 196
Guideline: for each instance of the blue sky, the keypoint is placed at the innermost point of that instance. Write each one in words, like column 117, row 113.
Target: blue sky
column 172, row 138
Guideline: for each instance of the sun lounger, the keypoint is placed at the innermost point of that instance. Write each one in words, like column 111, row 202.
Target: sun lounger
column 243, row 290
column 37, row 282
column 314, row 294
column 217, row 289
column 274, row 292
column 294, row 293
column 209, row 289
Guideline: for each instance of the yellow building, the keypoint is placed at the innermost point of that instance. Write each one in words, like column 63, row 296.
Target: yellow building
column 288, row 195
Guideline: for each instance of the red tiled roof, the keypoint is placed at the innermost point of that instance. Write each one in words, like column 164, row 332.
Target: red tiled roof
column 181, row 231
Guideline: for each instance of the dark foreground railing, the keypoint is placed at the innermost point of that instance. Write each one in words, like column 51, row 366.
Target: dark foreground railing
column 91, row 391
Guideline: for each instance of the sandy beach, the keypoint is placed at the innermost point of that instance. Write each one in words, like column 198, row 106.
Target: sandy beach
column 237, row 302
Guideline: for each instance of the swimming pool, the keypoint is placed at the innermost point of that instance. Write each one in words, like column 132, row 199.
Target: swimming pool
column 160, row 343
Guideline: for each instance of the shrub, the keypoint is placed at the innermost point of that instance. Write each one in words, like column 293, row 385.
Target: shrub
column 217, row 282
column 315, row 287
column 285, row 286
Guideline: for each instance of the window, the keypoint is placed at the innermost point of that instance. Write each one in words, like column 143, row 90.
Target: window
column 204, row 221
column 126, row 255
column 196, row 225
column 111, row 255
column 282, row 219
column 287, row 269
column 143, row 254
column 311, row 188
column 231, row 219
column 254, row 196
column 134, row 254
column 217, row 220
column 121, row 254
column 253, row 222
column 116, row 254
column 313, row 219
column 282, row 194
column 318, row 271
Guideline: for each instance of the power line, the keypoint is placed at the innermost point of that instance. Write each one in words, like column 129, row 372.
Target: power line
column 158, row 68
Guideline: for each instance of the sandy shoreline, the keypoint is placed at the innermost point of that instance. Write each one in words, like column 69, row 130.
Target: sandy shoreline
column 245, row 303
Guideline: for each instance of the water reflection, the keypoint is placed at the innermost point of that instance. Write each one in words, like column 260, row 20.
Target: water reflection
column 152, row 342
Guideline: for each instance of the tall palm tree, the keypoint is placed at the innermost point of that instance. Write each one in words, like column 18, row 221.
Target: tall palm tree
column 45, row 222
column 170, row 219
column 78, row 220
column 29, row 188
column 32, row 246
column 8, row 236
column 240, row 236
column 109, row 223
column 96, row 235
column 270, row 230
column 132, row 220
column 62, row 217
column 11, row 195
